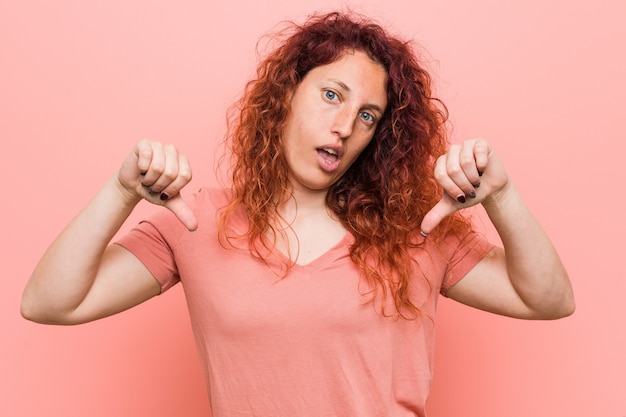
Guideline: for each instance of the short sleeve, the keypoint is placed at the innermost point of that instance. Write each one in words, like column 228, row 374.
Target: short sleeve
column 463, row 254
column 149, row 242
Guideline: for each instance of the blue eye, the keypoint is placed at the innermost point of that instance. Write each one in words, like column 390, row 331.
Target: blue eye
column 366, row 117
column 330, row 95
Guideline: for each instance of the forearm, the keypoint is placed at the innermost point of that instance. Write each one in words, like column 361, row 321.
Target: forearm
column 67, row 270
column 533, row 265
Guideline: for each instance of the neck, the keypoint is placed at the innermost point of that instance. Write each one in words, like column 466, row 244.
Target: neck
column 307, row 226
column 304, row 203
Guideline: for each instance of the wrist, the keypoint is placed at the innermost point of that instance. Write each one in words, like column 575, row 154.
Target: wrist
column 125, row 196
column 501, row 198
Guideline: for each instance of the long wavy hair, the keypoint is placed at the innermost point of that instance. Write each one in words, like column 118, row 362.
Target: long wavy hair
column 383, row 197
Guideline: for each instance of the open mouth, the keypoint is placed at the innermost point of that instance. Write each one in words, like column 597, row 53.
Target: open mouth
column 330, row 155
column 329, row 158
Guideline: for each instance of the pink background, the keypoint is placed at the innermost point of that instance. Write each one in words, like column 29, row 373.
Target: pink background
column 81, row 81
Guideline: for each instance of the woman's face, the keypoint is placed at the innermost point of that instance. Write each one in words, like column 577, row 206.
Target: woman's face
column 334, row 113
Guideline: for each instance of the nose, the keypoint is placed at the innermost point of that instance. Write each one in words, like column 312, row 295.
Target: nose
column 344, row 122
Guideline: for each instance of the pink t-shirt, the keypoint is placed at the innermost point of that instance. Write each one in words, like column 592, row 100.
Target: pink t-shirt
column 308, row 344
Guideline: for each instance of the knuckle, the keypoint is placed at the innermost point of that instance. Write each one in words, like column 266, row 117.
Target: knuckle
column 170, row 148
column 439, row 174
column 185, row 174
column 143, row 148
column 157, row 166
column 466, row 162
column 169, row 174
column 144, row 153
column 454, row 170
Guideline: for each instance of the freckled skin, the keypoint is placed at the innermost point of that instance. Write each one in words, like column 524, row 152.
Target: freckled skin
column 337, row 106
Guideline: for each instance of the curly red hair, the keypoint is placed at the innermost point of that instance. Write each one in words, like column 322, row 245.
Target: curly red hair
column 384, row 195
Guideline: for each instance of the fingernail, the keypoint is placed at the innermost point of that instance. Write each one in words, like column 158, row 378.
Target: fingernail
column 480, row 173
column 472, row 195
column 460, row 198
column 476, row 185
column 423, row 234
column 164, row 196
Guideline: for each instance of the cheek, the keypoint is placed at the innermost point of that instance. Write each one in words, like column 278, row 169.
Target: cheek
column 362, row 144
column 291, row 135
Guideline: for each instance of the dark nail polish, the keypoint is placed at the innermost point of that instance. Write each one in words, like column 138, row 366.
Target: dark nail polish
column 480, row 173
column 164, row 196
column 472, row 195
column 476, row 185
column 460, row 198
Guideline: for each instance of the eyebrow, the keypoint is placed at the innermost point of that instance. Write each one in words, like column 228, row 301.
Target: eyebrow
column 340, row 83
column 345, row 87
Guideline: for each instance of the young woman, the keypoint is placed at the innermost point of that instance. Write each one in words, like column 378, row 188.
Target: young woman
column 312, row 279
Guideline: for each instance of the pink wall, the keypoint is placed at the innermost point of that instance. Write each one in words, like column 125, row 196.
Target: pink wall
column 81, row 81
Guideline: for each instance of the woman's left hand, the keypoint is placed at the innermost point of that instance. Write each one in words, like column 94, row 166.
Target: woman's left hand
column 470, row 173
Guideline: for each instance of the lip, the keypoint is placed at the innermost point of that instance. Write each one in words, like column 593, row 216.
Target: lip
column 338, row 149
column 327, row 161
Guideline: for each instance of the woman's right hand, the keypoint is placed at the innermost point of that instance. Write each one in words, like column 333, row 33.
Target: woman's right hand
column 157, row 172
